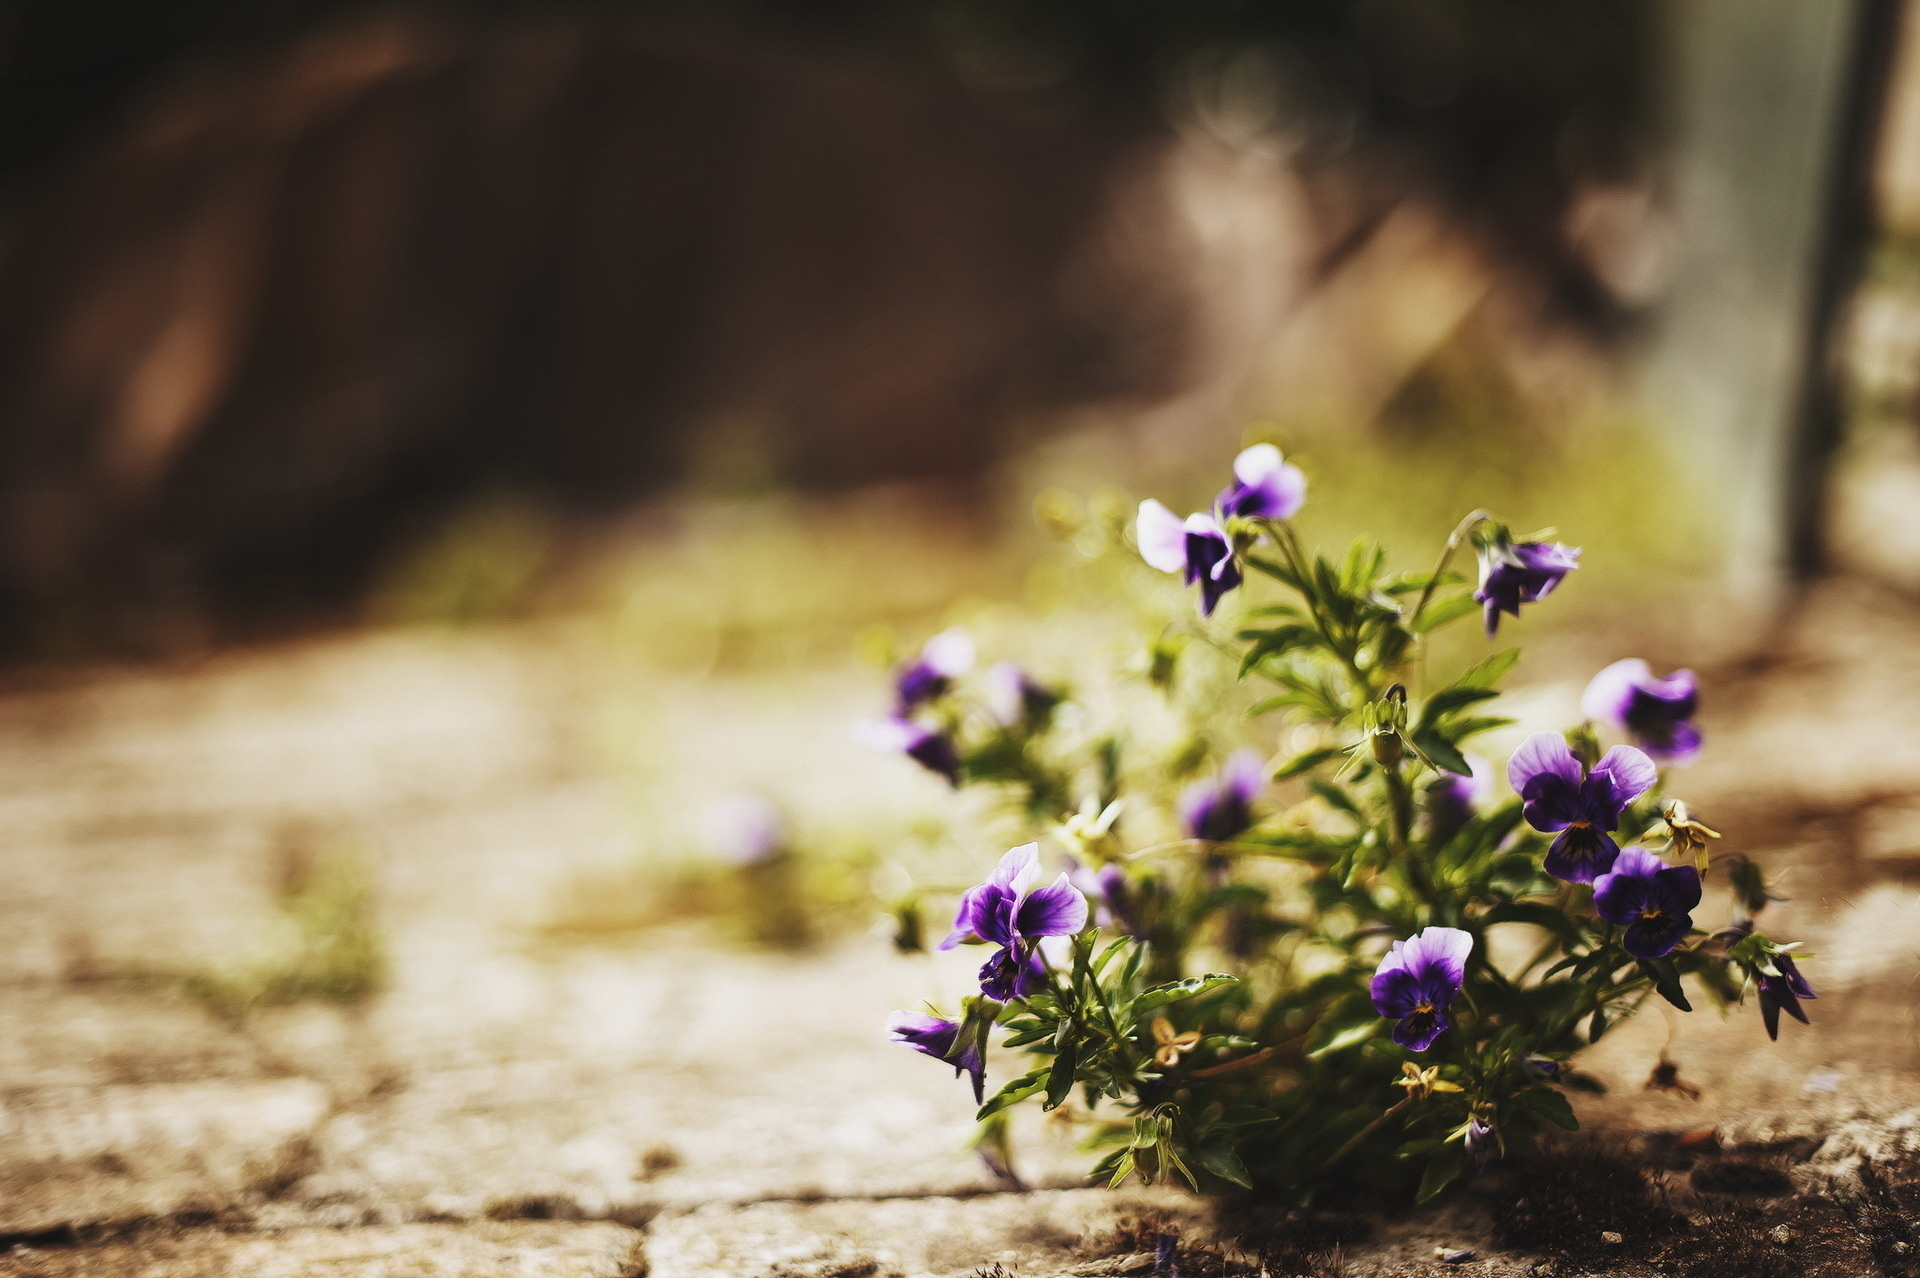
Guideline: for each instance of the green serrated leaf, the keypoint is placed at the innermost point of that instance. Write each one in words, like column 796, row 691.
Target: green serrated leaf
column 1175, row 991
column 1448, row 700
column 1222, row 1161
column 1352, row 1036
column 1666, row 979
column 1060, row 1080
column 1307, row 762
column 1442, row 754
column 1491, row 671
column 1442, row 1170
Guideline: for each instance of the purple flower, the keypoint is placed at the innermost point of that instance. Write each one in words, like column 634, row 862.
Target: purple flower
column 1783, row 991
column 1452, row 801
column 1515, row 573
column 1111, row 893
column 1007, row 910
column 1197, row 547
column 936, row 1037
column 1585, row 809
column 1417, row 982
column 1653, row 900
column 931, row 748
column 1657, row 713
column 1264, row 487
column 1015, row 700
column 944, row 658
column 1220, row 808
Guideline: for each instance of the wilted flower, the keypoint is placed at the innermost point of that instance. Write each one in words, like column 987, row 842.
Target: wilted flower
column 1220, row 808
column 1015, row 699
column 1584, row 807
column 1657, row 713
column 1007, row 910
column 1651, row 899
column 1196, row 547
column 1169, row 1047
column 1417, row 982
column 745, row 830
column 1480, row 1141
column 1687, row 837
column 1783, row 992
column 1421, row 1084
column 1264, row 486
column 944, row 658
column 936, row 1037
column 1515, row 573
column 1453, row 800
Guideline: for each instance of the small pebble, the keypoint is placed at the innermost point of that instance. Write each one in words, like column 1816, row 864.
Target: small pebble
column 1610, row 1238
column 1780, row 1234
column 1458, row 1256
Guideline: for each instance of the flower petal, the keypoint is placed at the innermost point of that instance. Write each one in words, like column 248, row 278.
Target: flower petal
column 1162, row 537
column 1544, row 772
column 1055, row 910
column 1017, row 869
column 1395, row 991
column 1580, row 854
column 949, row 653
column 1257, row 465
column 1611, row 692
column 1626, row 774
column 1439, row 949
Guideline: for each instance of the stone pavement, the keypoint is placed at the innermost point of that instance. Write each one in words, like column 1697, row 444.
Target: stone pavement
column 673, row 1105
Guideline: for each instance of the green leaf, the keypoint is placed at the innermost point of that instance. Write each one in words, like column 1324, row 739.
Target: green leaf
column 1539, row 914
column 1174, row 991
column 1447, row 700
column 1278, row 640
column 1333, row 796
column 1442, row 753
column 1491, row 671
column 1222, row 1161
column 1106, row 955
column 1307, row 762
column 1666, row 979
column 1348, row 1037
column 1060, row 1081
column 1122, row 1170
column 1442, row 1170
column 1022, row 1037
column 1550, row 1105
column 1014, row 1092
column 1440, row 611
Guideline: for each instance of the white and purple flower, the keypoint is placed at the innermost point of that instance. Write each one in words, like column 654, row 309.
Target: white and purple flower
column 1198, row 547
column 1219, row 809
column 1015, row 699
column 1657, row 713
column 936, row 1037
column 1418, row 981
column 1783, row 993
column 1513, row 573
column 931, row 748
column 1008, row 911
column 1582, row 807
column 1454, row 800
column 1264, row 486
column 1652, row 900
column 943, row 658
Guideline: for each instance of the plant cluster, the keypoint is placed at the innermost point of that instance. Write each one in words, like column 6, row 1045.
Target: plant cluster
column 1354, row 965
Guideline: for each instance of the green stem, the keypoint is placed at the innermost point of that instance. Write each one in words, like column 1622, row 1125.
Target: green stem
column 1460, row 533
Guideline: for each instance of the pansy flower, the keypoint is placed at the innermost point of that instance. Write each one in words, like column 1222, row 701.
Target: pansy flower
column 1263, row 487
column 1783, row 992
column 1652, row 900
column 1583, row 807
column 1007, row 910
column 1111, row 893
column 1657, row 713
column 1513, row 573
column 943, row 658
column 1015, row 700
column 936, row 1036
column 1417, row 982
column 1219, row 809
column 1196, row 547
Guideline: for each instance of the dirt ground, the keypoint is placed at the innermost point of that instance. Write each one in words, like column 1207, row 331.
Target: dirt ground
column 680, row 1106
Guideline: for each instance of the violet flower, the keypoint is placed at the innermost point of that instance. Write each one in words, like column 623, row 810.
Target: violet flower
column 944, row 658
column 1653, row 900
column 1583, row 807
column 1417, row 982
column 1515, row 573
column 1196, row 547
column 1657, row 713
column 1110, row 892
column 1219, row 809
column 1015, row 699
column 935, row 1036
column 1264, row 486
column 1783, row 992
column 931, row 748
column 1480, row 1141
column 1007, row 910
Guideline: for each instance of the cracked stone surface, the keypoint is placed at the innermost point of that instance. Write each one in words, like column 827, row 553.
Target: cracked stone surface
column 506, row 1104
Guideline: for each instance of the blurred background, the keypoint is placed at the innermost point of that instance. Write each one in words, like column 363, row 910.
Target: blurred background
column 464, row 467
